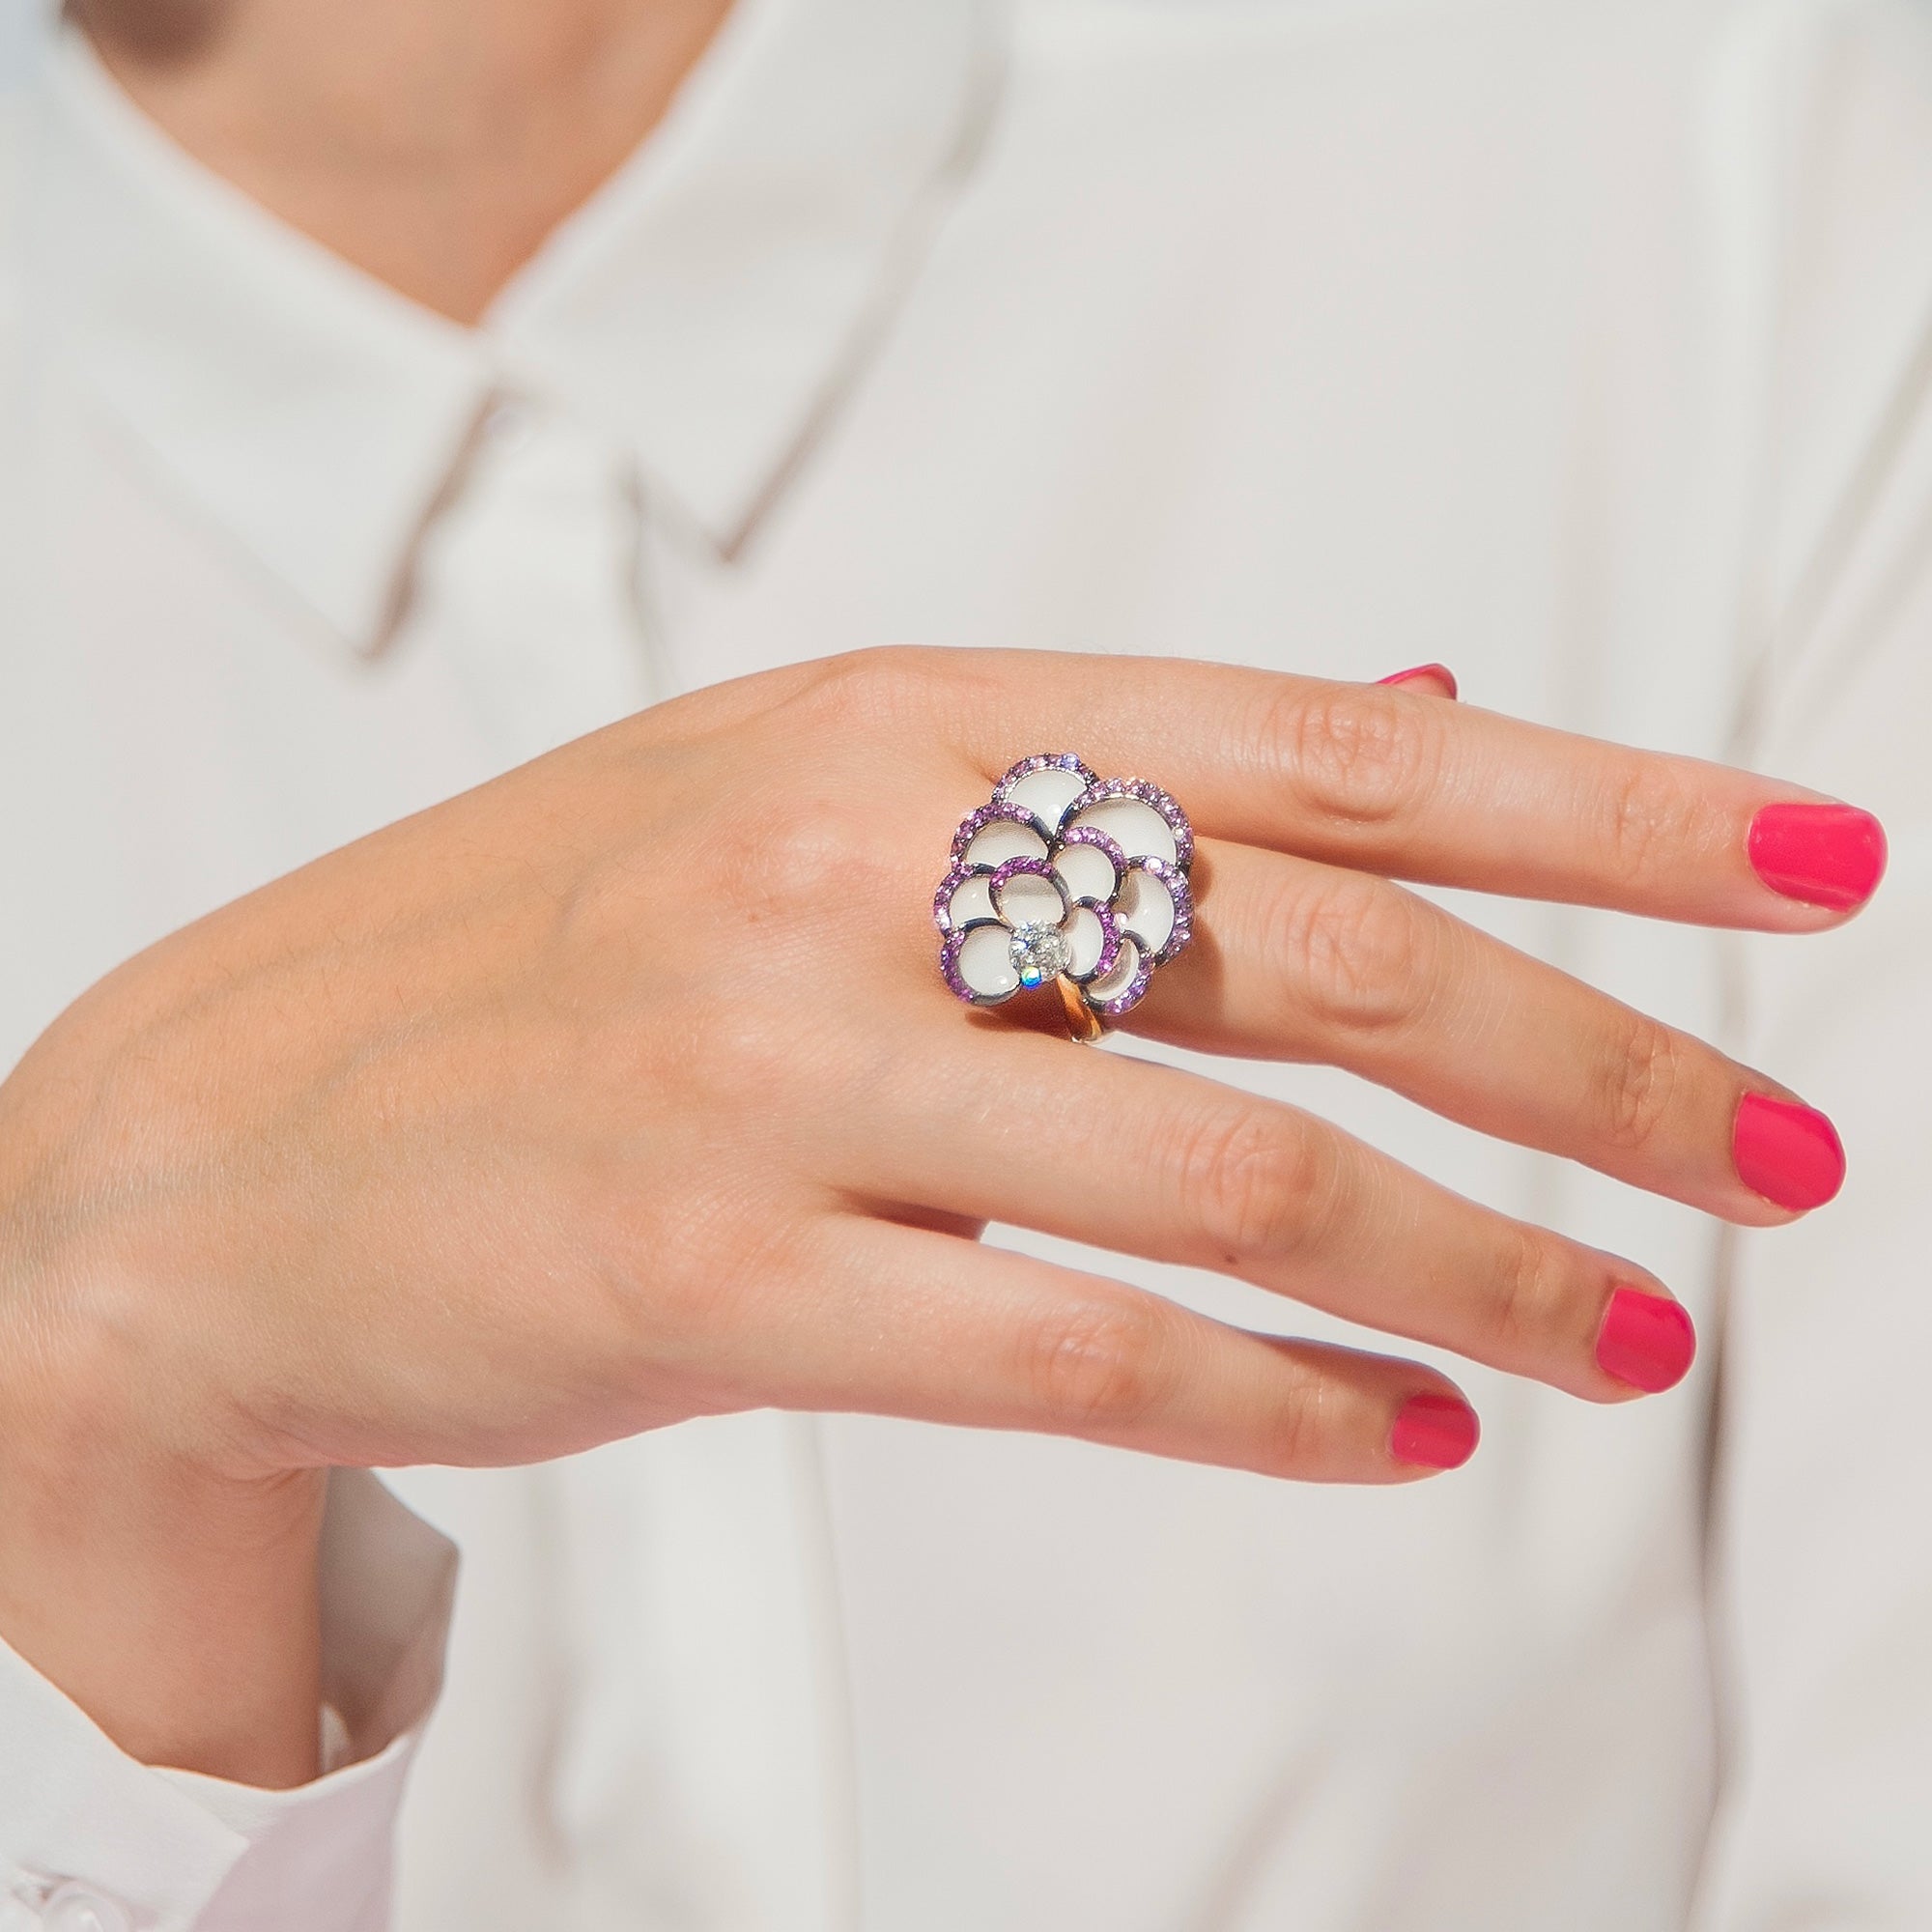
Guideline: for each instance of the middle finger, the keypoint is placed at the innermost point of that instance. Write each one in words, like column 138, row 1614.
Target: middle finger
column 1305, row 962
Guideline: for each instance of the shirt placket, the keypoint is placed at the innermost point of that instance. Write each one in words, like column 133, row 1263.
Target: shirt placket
column 526, row 578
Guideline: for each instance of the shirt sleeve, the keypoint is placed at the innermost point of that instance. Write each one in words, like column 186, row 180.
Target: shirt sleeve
column 1822, row 1527
column 85, row 1830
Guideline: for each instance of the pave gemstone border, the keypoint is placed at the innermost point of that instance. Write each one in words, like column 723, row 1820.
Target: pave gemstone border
column 1180, row 890
column 1109, row 849
column 1026, row 868
column 949, row 963
column 1110, row 944
column 1173, row 874
column 999, row 812
column 1131, row 994
column 1045, row 761
column 1103, row 790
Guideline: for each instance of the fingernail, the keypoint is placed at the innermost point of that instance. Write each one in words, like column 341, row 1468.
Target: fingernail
column 1826, row 855
column 1790, row 1155
column 1435, row 1432
column 1645, row 1339
column 1436, row 673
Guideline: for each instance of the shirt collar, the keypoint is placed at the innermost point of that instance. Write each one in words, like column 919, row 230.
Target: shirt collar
column 701, row 309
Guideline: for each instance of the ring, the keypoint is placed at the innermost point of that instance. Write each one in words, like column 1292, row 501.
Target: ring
column 1071, row 880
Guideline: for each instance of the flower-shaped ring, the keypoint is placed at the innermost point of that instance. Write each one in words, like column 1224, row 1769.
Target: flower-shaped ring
column 1069, row 880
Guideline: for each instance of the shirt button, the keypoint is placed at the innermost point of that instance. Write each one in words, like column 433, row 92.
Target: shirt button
column 79, row 1907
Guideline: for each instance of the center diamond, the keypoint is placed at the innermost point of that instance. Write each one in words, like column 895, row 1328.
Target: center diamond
column 1039, row 953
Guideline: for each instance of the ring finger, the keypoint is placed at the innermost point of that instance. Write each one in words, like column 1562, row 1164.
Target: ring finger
column 1150, row 1160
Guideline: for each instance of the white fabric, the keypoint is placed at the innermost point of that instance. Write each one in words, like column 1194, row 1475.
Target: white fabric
column 83, row 1829
column 1581, row 345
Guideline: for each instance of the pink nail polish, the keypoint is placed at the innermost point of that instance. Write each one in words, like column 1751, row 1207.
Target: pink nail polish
column 1435, row 1432
column 1790, row 1155
column 1825, row 855
column 1439, row 674
column 1645, row 1339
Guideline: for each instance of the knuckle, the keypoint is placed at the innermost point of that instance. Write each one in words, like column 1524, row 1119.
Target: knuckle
column 1102, row 1364
column 752, row 1082
column 1254, row 1185
column 1303, row 1430
column 1637, row 1072
column 66, row 1353
column 1525, row 1291
column 801, row 862
column 741, row 1054
column 1359, row 757
column 879, row 685
column 1651, row 821
column 1362, row 947
column 691, row 1282
column 726, row 1068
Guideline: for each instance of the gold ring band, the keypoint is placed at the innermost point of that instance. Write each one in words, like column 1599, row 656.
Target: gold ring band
column 1084, row 1026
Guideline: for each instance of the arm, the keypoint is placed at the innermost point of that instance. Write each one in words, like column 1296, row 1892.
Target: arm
column 89, row 1831
column 624, row 1089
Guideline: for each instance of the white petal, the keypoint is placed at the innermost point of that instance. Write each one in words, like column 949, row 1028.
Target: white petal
column 1086, row 940
column 1146, row 908
column 1134, row 825
column 987, row 962
column 1087, row 872
column 1046, row 793
column 1028, row 899
column 995, row 843
column 972, row 899
column 1122, row 976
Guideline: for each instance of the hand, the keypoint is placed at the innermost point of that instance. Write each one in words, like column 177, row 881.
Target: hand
column 624, row 1089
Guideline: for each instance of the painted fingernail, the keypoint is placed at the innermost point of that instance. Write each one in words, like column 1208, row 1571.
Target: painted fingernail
column 1434, row 673
column 1435, row 1432
column 1825, row 855
column 1645, row 1339
column 1790, row 1155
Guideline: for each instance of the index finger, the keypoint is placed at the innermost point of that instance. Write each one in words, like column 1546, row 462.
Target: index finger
column 1396, row 782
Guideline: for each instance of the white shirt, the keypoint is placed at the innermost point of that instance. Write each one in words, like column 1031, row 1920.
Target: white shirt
column 1579, row 343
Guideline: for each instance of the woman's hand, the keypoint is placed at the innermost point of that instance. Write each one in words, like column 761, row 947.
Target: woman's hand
column 624, row 1089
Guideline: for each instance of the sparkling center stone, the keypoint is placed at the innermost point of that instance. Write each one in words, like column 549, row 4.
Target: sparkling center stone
column 1039, row 953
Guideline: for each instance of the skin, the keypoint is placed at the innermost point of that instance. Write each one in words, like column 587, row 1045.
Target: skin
column 457, row 1146
column 461, row 1146
column 435, row 143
